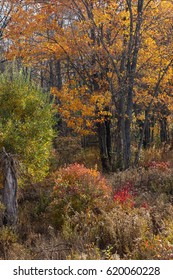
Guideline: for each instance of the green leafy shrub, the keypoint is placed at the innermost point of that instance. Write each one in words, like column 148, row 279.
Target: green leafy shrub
column 77, row 189
column 26, row 122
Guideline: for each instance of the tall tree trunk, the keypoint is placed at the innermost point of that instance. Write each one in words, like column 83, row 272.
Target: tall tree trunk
column 128, row 122
column 58, row 75
column 103, row 130
column 147, row 136
column 9, row 191
column 121, row 143
column 51, row 74
column 163, row 131
column 120, row 137
column 132, row 59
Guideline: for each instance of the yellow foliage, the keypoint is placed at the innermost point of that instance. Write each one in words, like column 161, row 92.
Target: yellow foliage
column 95, row 36
column 80, row 109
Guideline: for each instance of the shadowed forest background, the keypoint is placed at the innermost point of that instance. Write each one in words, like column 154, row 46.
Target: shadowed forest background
column 86, row 129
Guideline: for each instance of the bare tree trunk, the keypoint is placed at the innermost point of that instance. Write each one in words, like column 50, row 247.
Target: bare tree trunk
column 9, row 191
column 163, row 130
column 103, row 130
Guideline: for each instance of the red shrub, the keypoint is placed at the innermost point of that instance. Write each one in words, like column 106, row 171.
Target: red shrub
column 145, row 205
column 126, row 195
column 76, row 179
column 79, row 189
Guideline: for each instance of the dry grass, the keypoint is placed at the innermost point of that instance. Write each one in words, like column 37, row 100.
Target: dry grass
column 141, row 230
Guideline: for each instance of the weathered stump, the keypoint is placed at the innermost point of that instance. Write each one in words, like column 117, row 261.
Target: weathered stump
column 9, row 190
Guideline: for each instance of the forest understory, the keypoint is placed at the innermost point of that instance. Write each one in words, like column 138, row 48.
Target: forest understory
column 79, row 213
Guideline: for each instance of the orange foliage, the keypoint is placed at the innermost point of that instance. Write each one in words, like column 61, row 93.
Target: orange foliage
column 76, row 179
column 77, row 189
column 96, row 37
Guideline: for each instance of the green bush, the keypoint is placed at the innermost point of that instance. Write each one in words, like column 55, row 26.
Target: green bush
column 26, row 121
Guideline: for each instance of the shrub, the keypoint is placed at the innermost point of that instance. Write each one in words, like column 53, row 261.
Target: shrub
column 7, row 238
column 26, row 122
column 153, row 247
column 161, row 165
column 151, row 154
column 118, row 230
column 77, row 188
column 125, row 195
column 148, row 182
column 10, row 246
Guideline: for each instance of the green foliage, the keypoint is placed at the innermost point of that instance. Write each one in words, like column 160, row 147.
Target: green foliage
column 26, row 122
column 7, row 236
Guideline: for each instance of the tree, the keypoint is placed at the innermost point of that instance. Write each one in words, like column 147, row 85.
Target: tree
column 5, row 10
column 9, row 193
column 26, row 121
column 106, row 48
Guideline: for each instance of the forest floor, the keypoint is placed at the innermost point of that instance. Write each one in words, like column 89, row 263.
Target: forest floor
column 135, row 221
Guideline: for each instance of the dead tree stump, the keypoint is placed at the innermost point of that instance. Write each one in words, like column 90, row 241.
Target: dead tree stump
column 9, row 190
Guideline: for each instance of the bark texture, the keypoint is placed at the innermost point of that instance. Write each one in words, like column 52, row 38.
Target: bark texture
column 9, row 191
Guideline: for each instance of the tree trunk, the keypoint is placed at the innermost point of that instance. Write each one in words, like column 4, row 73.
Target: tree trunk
column 9, row 191
column 103, row 130
column 58, row 75
column 120, row 137
column 128, row 122
column 147, row 136
column 119, row 144
column 163, row 131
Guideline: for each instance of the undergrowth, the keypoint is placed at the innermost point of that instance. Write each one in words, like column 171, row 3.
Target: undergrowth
column 77, row 213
